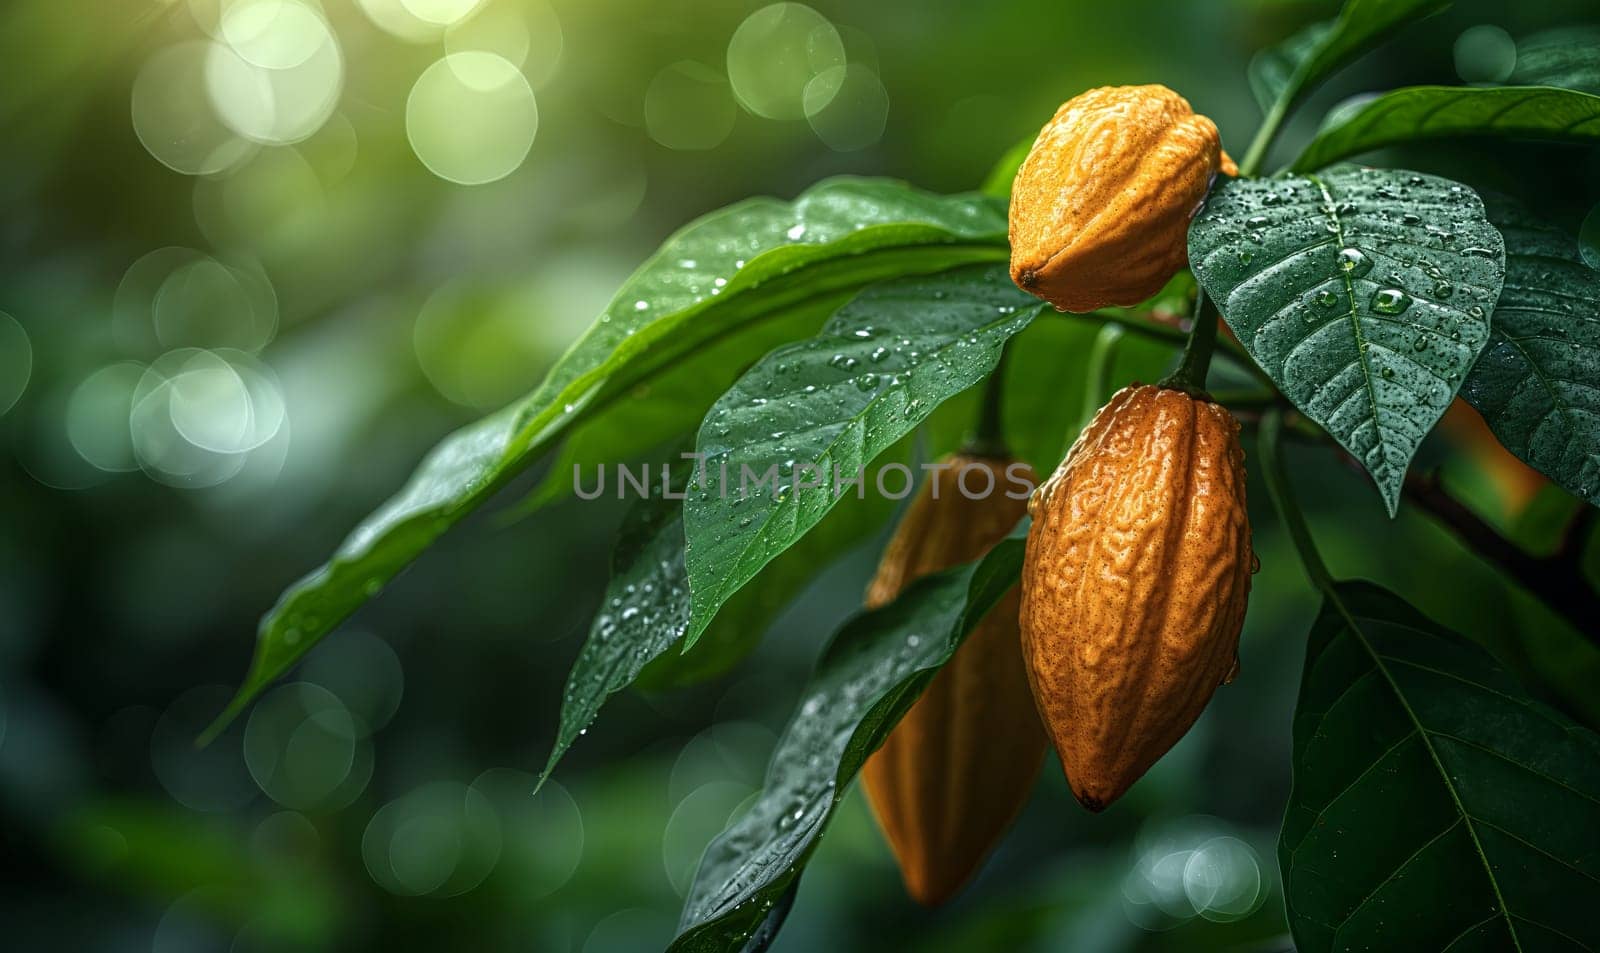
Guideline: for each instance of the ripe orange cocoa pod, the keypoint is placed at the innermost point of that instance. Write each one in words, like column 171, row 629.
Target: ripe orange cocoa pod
column 1100, row 208
column 1134, row 584
column 958, row 767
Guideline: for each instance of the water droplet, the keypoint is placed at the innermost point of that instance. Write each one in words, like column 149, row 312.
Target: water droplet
column 1353, row 262
column 1390, row 301
column 1420, row 344
column 1388, row 372
column 1327, row 299
column 796, row 233
column 866, row 382
column 641, row 305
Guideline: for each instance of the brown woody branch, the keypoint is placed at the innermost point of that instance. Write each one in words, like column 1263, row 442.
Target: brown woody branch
column 1556, row 579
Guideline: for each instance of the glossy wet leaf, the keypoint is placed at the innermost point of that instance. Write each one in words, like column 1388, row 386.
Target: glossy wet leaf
column 813, row 414
column 645, row 609
column 1561, row 57
column 1433, row 112
column 1289, row 70
column 1364, row 294
column 1537, row 382
column 1435, row 806
column 724, row 274
column 869, row 676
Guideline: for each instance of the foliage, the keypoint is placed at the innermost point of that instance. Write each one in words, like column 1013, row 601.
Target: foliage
column 1434, row 802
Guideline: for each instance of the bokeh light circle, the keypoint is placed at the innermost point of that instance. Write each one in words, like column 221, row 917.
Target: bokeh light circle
column 1485, row 54
column 273, row 34
column 694, row 823
column 776, row 53
column 441, row 840
column 392, row 17
column 542, row 833
column 363, row 672
column 471, row 118
column 1222, row 879
column 305, row 750
column 441, row 12
column 277, row 106
column 847, row 107
column 689, row 106
column 97, row 416
column 212, row 778
column 204, row 303
column 526, row 34
column 196, row 413
column 175, row 118
column 16, row 361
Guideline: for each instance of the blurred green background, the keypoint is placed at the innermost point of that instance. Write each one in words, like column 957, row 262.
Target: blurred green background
column 256, row 256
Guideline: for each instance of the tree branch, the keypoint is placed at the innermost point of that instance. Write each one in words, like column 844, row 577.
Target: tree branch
column 1557, row 579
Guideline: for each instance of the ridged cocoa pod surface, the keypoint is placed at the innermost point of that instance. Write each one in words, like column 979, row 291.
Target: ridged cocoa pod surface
column 1100, row 208
column 1134, row 584
column 958, row 767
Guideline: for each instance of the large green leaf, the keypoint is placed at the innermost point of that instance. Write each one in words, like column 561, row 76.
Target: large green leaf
column 1432, row 112
column 1284, row 73
column 1435, row 806
column 832, row 404
column 1365, row 294
column 726, row 273
column 872, row 672
column 646, row 605
column 1537, row 382
column 1560, row 57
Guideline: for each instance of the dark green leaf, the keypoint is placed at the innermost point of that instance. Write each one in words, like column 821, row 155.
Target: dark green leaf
column 1432, row 112
column 1537, row 382
column 1272, row 69
column 1561, row 57
column 1365, row 294
column 1282, row 74
column 1435, row 806
column 872, row 672
column 820, row 410
column 646, row 604
column 730, row 271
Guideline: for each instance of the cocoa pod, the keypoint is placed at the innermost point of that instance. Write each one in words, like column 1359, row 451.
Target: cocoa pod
column 1100, row 208
column 959, row 766
column 1134, row 584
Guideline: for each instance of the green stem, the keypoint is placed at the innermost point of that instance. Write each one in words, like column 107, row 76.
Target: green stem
column 989, row 439
column 1191, row 373
column 1282, row 493
column 1257, row 153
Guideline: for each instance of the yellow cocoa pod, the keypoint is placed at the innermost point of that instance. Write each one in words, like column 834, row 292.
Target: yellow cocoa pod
column 954, row 773
column 1100, row 208
column 1134, row 584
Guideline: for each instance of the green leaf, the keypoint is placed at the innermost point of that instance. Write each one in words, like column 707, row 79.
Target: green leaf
column 1435, row 806
column 998, row 183
column 1284, row 73
column 832, row 404
column 646, row 605
column 1272, row 69
column 869, row 676
column 1560, row 57
column 1537, row 382
column 1364, row 294
column 726, row 273
column 1432, row 112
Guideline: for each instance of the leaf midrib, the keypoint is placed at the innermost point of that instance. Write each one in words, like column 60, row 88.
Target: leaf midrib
column 1466, row 818
column 852, row 425
column 1355, row 322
